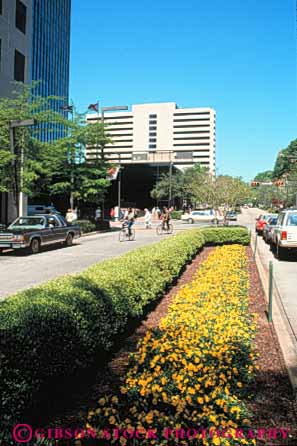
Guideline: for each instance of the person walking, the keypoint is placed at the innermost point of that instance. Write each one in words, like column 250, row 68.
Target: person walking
column 69, row 217
column 147, row 218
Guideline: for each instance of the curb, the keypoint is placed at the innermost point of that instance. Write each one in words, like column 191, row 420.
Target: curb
column 286, row 340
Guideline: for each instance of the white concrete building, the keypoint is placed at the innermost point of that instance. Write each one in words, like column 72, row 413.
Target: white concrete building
column 160, row 133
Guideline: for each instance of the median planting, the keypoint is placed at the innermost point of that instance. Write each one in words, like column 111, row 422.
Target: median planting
column 56, row 329
column 194, row 369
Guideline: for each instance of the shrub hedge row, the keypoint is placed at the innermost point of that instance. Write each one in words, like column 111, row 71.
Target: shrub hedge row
column 55, row 329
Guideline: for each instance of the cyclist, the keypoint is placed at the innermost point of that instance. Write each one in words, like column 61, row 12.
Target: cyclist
column 129, row 220
column 165, row 218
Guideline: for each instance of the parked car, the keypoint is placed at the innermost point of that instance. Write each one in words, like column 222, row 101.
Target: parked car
column 202, row 216
column 231, row 215
column 284, row 236
column 33, row 232
column 37, row 209
column 268, row 229
column 261, row 221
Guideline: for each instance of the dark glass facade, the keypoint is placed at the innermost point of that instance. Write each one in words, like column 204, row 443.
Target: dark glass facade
column 51, row 56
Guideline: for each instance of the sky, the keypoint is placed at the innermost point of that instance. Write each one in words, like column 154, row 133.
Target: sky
column 238, row 57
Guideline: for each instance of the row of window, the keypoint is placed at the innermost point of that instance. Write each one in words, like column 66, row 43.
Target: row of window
column 152, row 132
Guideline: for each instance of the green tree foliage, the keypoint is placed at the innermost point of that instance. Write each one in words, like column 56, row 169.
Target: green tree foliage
column 198, row 187
column 38, row 156
column 285, row 160
column 58, row 167
column 267, row 175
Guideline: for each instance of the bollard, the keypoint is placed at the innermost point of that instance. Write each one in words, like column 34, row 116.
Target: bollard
column 270, row 291
column 255, row 247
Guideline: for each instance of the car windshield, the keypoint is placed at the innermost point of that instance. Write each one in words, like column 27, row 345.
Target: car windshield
column 292, row 220
column 27, row 223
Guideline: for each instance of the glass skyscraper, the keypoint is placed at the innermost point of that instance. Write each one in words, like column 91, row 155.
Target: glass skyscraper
column 51, row 56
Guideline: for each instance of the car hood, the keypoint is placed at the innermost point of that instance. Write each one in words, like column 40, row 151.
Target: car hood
column 17, row 231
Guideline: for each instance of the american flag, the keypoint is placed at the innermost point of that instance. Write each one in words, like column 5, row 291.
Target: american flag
column 67, row 108
column 94, row 107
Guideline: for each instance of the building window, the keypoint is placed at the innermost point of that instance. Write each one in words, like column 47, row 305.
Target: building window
column 152, row 140
column 1, row 7
column 19, row 66
column 152, row 128
column 184, row 155
column 139, row 156
column 152, row 146
column 152, row 134
column 153, row 123
column 152, row 116
column 20, row 16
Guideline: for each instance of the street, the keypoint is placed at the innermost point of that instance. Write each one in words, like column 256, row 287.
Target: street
column 284, row 271
column 19, row 270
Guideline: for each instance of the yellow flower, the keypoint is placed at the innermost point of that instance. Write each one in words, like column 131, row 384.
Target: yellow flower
column 112, row 420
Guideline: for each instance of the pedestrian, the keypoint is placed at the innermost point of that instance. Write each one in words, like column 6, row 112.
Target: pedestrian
column 112, row 213
column 97, row 214
column 69, row 217
column 75, row 214
column 158, row 210
column 147, row 218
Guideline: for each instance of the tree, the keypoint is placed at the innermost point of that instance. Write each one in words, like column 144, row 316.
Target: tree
column 283, row 164
column 267, row 175
column 39, row 157
column 81, row 179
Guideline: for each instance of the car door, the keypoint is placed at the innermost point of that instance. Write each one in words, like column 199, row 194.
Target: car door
column 277, row 229
column 57, row 231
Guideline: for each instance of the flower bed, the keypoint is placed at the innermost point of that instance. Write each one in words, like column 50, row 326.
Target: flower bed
column 56, row 329
column 194, row 369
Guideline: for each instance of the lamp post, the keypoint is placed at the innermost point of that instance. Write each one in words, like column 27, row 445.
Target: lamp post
column 70, row 109
column 104, row 109
column 12, row 126
column 170, row 180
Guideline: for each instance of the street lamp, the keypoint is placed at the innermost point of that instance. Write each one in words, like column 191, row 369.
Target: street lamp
column 170, row 180
column 12, row 126
column 104, row 109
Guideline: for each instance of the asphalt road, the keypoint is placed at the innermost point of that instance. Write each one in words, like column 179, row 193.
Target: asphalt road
column 19, row 270
column 284, row 271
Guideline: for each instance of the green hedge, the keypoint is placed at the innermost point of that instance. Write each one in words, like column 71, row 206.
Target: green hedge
column 56, row 329
column 86, row 226
column 176, row 215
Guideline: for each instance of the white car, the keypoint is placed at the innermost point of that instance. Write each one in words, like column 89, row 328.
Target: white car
column 284, row 236
column 202, row 216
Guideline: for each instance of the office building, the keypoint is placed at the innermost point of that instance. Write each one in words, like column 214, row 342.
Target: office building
column 15, row 43
column 15, row 64
column 160, row 133
column 51, row 56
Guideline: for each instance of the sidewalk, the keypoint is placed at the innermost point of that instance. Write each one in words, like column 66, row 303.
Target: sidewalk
column 284, row 312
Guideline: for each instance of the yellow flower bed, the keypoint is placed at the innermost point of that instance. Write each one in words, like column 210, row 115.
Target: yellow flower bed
column 193, row 370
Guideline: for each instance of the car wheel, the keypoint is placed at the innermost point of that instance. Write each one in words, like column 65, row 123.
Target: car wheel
column 191, row 221
column 280, row 252
column 69, row 240
column 35, row 246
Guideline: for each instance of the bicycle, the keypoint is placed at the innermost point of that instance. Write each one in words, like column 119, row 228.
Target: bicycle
column 125, row 234
column 163, row 229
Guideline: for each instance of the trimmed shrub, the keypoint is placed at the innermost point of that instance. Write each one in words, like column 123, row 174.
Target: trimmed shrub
column 176, row 215
column 56, row 329
column 86, row 226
